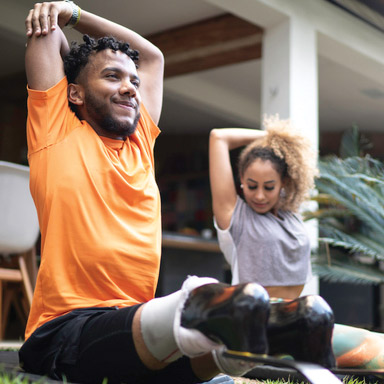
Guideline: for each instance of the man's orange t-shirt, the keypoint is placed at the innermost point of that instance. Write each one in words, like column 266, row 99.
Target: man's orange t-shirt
column 99, row 210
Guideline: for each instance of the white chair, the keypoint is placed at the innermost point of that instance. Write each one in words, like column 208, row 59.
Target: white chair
column 19, row 232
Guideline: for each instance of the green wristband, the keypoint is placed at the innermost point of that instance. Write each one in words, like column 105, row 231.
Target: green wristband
column 76, row 12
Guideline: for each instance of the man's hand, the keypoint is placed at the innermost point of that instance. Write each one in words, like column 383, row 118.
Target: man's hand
column 47, row 16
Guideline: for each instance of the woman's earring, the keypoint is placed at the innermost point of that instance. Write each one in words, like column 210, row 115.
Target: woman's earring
column 282, row 193
column 241, row 186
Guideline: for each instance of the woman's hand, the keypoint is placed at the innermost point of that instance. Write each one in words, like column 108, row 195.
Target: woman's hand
column 47, row 16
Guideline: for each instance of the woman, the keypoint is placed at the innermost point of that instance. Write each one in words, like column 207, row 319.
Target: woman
column 264, row 240
column 261, row 235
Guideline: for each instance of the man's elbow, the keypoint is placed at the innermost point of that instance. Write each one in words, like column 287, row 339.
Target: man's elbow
column 158, row 57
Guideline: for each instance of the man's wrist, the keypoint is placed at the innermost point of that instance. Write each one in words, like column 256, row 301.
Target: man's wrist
column 76, row 13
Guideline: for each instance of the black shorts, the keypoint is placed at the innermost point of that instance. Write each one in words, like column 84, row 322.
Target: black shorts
column 91, row 344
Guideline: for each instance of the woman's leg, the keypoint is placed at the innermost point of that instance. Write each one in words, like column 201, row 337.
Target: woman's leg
column 357, row 347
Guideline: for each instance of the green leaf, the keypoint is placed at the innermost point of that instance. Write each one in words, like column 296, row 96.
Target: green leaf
column 351, row 212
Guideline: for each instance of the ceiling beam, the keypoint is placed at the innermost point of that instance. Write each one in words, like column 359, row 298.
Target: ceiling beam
column 207, row 44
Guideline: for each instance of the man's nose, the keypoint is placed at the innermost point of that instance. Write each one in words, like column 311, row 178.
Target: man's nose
column 127, row 88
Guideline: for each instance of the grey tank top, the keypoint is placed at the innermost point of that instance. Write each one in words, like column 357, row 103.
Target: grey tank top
column 269, row 250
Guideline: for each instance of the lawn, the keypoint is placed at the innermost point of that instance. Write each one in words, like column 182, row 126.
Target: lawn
column 17, row 378
column 240, row 380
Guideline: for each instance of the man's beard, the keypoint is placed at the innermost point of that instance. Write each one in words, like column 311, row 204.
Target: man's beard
column 106, row 121
column 109, row 124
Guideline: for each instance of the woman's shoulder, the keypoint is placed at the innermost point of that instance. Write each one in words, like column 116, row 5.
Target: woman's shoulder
column 291, row 219
column 289, row 215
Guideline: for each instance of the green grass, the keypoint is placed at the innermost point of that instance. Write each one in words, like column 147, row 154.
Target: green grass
column 19, row 378
column 346, row 380
column 7, row 378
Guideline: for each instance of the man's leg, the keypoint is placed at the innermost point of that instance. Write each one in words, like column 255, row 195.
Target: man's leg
column 114, row 343
column 145, row 356
column 158, row 326
column 303, row 329
column 204, row 367
column 107, row 350
column 203, row 317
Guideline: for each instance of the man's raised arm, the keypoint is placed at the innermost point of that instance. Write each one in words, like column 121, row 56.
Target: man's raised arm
column 45, row 49
column 48, row 17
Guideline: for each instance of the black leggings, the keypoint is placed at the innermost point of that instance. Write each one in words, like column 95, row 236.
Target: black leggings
column 91, row 344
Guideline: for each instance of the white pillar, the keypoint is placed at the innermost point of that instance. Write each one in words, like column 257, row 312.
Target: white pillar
column 289, row 75
column 290, row 88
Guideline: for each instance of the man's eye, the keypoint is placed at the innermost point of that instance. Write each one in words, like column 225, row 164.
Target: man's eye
column 136, row 84
column 111, row 76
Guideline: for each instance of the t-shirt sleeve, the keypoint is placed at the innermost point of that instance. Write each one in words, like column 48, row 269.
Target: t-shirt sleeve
column 147, row 131
column 226, row 243
column 228, row 248
column 49, row 116
column 224, row 236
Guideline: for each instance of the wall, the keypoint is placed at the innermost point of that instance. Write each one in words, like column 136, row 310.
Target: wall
column 178, row 264
column 182, row 175
column 13, row 144
column 330, row 143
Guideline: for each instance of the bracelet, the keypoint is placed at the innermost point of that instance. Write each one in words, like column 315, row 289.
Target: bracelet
column 76, row 12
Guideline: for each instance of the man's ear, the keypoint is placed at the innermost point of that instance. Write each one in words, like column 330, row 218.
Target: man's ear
column 75, row 94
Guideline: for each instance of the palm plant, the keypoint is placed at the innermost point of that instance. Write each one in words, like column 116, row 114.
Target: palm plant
column 350, row 215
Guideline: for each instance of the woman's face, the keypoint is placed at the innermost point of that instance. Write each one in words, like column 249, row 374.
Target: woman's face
column 261, row 186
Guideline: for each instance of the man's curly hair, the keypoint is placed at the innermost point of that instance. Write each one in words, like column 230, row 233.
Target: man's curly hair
column 292, row 155
column 78, row 56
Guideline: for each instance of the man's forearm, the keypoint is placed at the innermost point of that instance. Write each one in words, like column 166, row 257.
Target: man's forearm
column 97, row 26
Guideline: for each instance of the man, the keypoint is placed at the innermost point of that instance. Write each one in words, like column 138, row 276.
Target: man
column 91, row 130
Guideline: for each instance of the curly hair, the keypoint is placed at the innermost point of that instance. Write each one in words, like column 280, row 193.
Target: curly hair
column 292, row 155
column 78, row 56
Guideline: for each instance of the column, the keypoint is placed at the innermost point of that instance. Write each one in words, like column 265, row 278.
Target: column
column 290, row 88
